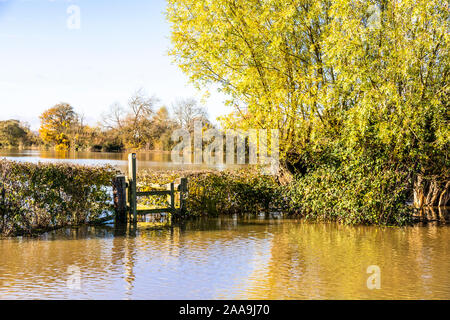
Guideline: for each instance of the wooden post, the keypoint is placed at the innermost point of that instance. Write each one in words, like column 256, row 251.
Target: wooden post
column 120, row 198
column 132, row 176
column 172, row 197
column 183, row 191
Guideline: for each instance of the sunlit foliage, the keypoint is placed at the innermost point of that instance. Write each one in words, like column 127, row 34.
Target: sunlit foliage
column 318, row 69
column 57, row 124
column 356, row 88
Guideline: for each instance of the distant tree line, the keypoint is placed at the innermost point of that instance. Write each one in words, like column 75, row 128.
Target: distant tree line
column 13, row 134
column 143, row 124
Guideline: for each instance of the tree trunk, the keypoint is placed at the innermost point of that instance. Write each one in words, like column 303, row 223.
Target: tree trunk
column 284, row 177
column 445, row 195
column 431, row 192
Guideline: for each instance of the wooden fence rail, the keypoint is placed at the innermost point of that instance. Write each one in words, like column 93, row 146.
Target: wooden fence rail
column 126, row 194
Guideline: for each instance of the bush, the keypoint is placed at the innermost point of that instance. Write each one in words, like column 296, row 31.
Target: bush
column 230, row 191
column 42, row 196
column 360, row 195
column 347, row 194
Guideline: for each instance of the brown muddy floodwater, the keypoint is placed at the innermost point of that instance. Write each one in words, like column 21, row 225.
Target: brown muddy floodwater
column 229, row 258
column 154, row 160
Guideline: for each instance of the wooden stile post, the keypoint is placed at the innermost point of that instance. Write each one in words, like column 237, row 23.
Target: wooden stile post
column 183, row 191
column 120, row 198
column 120, row 194
column 132, row 176
column 172, row 197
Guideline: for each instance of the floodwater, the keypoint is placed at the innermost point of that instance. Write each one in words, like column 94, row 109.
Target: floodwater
column 223, row 258
column 230, row 258
column 156, row 160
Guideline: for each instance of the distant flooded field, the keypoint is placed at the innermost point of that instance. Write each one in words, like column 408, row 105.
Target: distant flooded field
column 229, row 258
column 158, row 160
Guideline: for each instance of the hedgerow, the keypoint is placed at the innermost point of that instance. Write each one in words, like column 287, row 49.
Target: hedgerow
column 44, row 196
column 229, row 191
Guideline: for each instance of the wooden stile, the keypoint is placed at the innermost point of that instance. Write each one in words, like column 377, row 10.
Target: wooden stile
column 122, row 196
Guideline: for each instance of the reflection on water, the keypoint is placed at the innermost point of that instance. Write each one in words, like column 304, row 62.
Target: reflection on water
column 146, row 160
column 230, row 258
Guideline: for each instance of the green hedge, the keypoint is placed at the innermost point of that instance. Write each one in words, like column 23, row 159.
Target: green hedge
column 230, row 191
column 351, row 195
column 361, row 195
column 37, row 197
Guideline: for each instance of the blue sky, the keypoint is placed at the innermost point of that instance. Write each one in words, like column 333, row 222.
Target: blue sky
column 121, row 46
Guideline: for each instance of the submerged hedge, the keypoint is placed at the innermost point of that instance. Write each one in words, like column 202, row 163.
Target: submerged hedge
column 37, row 197
column 357, row 196
column 352, row 197
column 40, row 197
column 364, row 196
column 230, row 191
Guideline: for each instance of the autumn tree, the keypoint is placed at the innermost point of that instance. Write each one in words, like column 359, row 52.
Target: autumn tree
column 391, row 60
column 57, row 124
column 145, row 124
column 355, row 88
column 132, row 123
column 114, row 117
column 265, row 55
column 297, row 65
column 13, row 133
column 138, row 120
column 161, row 129
column 186, row 111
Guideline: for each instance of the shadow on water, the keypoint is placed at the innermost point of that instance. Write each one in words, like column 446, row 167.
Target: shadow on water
column 439, row 215
column 204, row 223
column 425, row 217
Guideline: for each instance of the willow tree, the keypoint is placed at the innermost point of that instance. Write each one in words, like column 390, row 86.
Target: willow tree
column 265, row 55
column 391, row 60
column 365, row 79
